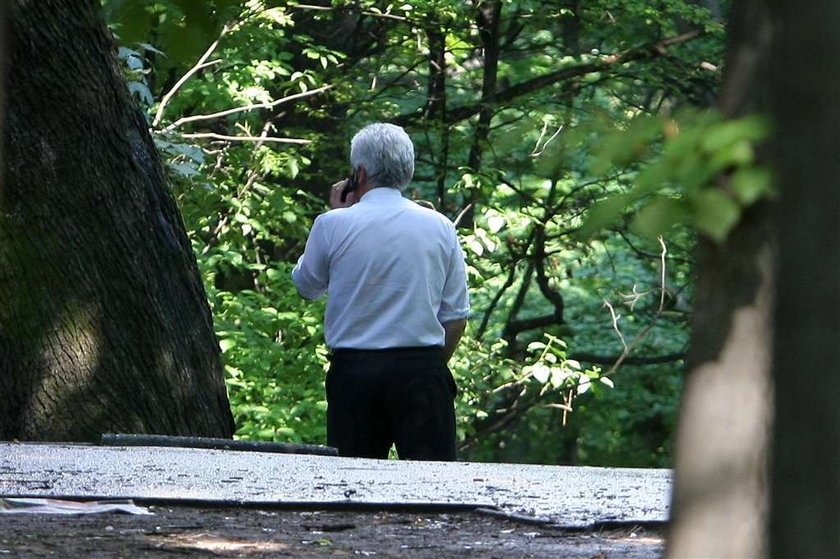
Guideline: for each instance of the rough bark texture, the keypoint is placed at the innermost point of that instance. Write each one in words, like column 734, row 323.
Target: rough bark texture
column 719, row 506
column 805, row 88
column 3, row 48
column 104, row 324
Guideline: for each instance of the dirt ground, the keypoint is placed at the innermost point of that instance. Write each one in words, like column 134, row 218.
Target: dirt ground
column 240, row 532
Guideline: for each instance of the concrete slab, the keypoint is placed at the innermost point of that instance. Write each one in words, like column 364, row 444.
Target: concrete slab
column 568, row 496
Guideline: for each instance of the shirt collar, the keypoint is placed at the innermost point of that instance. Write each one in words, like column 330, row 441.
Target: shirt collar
column 381, row 193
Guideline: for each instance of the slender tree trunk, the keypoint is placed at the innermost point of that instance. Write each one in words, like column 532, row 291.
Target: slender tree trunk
column 805, row 88
column 487, row 18
column 719, row 506
column 571, row 27
column 104, row 324
column 435, row 113
column 489, row 13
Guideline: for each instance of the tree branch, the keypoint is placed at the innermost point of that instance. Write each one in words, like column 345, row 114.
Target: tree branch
column 643, row 52
column 267, row 105
column 202, row 63
column 369, row 14
column 514, row 327
column 611, row 359
column 260, row 139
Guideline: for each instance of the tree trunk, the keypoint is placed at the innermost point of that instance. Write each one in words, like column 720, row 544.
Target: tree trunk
column 719, row 505
column 4, row 8
column 104, row 323
column 805, row 88
column 488, row 15
column 435, row 113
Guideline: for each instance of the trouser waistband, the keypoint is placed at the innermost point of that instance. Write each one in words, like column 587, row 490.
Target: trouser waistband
column 388, row 350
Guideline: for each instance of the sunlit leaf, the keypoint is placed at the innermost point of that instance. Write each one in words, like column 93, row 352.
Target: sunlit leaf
column 541, row 373
column 495, row 223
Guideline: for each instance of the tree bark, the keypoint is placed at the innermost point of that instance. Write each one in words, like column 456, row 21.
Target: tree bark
column 4, row 8
column 435, row 113
column 804, row 89
column 719, row 506
column 488, row 15
column 487, row 18
column 104, row 322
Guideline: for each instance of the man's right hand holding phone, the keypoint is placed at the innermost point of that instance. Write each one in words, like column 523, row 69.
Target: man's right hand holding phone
column 341, row 196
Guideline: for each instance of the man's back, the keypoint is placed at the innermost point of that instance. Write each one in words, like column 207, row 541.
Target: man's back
column 387, row 261
column 397, row 306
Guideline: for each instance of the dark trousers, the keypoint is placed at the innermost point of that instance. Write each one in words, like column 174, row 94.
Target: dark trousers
column 402, row 396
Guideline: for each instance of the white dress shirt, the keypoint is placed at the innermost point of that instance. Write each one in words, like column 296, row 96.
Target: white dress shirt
column 393, row 270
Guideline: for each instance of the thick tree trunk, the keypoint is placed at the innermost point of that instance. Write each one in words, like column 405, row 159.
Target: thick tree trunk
column 726, row 514
column 104, row 324
column 719, row 506
column 4, row 8
column 805, row 88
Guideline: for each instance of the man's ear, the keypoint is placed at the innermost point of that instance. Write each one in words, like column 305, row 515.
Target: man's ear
column 361, row 176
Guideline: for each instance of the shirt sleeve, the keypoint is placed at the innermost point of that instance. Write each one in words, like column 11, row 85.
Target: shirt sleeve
column 311, row 273
column 455, row 302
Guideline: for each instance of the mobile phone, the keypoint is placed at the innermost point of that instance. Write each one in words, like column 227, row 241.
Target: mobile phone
column 349, row 187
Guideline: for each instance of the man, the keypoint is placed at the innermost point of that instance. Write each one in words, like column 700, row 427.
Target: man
column 396, row 309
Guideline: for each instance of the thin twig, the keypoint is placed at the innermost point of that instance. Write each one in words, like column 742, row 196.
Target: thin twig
column 662, row 274
column 249, row 182
column 330, row 8
column 198, row 66
column 643, row 334
column 266, row 105
column 615, row 317
column 538, row 151
column 460, row 216
column 215, row 136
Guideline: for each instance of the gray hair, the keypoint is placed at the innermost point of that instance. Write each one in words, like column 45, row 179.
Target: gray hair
column 387, row 154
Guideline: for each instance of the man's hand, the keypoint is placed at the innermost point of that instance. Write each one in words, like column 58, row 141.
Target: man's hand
column 454, row 330
column 335, row 195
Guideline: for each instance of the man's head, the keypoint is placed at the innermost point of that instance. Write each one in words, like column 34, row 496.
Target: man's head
column 387, row 154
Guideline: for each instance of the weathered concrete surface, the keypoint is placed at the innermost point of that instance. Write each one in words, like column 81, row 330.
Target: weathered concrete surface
column 569, row 496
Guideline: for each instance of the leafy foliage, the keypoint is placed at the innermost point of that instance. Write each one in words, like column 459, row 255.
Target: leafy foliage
column 681, row 184
column 513, row 107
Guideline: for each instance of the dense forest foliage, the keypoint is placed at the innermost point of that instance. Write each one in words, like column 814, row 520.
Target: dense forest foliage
column 570, row 142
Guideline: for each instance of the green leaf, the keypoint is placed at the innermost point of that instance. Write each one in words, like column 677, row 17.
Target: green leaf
column 558, row 377
column 736, row 154
column 584, row 386
column 603, row 214
column 658, row 216
column 541, row 372
column 751, row 183
column 495, row 223
column 475, row 246
column 536, row 346
column 722, row 134
column 714, row 213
